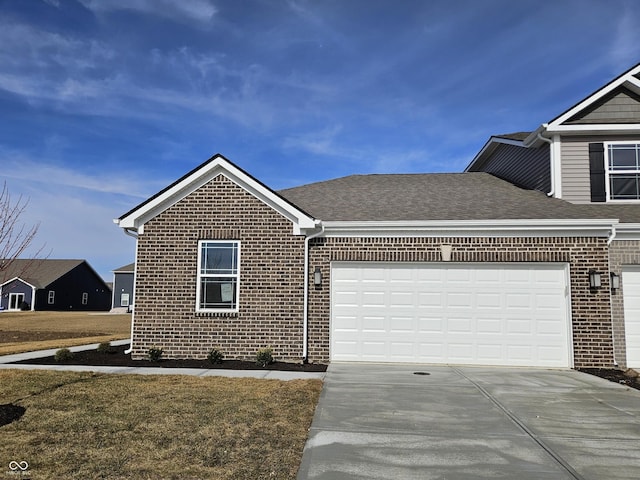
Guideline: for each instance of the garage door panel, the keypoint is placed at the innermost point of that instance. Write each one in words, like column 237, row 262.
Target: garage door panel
column 631, row 299
column 490, row 314
column 373, row 299
column 459, row 300
column 402, row 325
column 402, row 299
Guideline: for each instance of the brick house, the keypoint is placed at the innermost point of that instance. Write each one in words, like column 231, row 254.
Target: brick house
column 531, row 257
column 438, row 268
column 589, row 155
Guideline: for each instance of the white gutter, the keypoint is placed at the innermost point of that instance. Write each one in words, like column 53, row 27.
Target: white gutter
column 132, row 233
column 466, row 228
column 552, row 163
column 612, row 236
column 305, row 318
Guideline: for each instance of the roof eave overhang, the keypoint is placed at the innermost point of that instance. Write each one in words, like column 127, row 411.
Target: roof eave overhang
column 627, row 79
column 594, row 129
column 628, row 231
column 472, row 228
column 488, row 149
column 218, row 165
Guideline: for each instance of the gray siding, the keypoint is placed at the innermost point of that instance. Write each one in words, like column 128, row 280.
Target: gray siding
column 524, row 167
column 575, row 170
column 621, row 106
column 123, row 283
column 576, row 187
column 16, row 286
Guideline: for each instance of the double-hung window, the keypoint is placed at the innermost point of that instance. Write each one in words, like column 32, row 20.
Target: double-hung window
column 218, row 275
column 622, row 160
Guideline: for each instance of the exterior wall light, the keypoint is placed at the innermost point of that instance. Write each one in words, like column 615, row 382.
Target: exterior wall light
column 615, row 281
column 595, row 281
column 317, row 276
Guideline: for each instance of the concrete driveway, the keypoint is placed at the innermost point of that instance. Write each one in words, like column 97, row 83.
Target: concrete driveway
column 385, row 422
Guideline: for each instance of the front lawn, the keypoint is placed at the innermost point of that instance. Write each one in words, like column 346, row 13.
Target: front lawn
column 27, row 331
column 85, row 425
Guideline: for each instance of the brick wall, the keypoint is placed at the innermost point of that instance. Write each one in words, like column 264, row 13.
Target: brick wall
column 622, row 252
column 591, row 313
column 271, row 279
column 271, row 276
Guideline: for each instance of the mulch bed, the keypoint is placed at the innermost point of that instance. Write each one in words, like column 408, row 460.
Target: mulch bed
column 117, row 358
column 10, row 413
column 613, row 375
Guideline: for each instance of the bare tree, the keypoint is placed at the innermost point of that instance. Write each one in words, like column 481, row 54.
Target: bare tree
column 15, row 235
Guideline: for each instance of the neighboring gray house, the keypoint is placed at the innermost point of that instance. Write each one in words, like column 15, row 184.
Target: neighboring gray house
column 52, row 285
column 462, row 268
column 123, row 279
column 590, row 155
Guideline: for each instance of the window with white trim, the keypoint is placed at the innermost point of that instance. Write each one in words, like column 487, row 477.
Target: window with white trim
column 218, row 275
column 51, row 297
column 622, row 161
column 85, row 298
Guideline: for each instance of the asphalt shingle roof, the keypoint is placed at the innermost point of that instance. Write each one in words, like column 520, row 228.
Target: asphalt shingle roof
column 519, row 136
column 128, row 268
column 437, row 196
column 38, row 272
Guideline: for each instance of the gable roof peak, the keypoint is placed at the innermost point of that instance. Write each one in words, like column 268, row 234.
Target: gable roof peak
column 136, row 218
column 629, row 80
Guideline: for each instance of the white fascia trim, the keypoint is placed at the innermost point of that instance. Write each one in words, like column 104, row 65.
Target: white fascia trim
column 627, row 231
column 595, row 128
column 473, row 228
column 489, row 147
column 627, row 77
column 218, row 166
column 18, row 278
column 633, row 83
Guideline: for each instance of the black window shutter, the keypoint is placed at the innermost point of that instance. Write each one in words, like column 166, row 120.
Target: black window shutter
column 597, row 172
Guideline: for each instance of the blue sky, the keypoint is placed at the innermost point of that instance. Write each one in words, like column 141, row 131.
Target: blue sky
column 105, row 102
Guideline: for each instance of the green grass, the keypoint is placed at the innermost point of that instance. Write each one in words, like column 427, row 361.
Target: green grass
column 85, row 425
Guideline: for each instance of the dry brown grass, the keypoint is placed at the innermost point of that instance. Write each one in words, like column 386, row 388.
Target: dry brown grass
column 84, row 425
column 27, row 331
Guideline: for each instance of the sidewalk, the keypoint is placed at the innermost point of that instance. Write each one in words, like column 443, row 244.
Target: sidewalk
column 5, row 363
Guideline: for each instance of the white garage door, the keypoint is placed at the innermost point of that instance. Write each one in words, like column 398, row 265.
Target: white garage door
column 631, row 295
column 487, row 314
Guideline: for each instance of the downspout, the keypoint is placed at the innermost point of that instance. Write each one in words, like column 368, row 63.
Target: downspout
column 611, row 238
column 305, row 319
column 552, row 163
column 132, row 233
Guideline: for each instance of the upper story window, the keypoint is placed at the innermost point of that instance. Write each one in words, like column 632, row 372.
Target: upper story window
column 218, row 275
column 622, row 162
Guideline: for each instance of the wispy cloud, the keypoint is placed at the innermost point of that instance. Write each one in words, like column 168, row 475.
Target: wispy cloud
column 624, row 49
column 184, row 10
column 19, row 166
